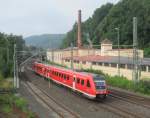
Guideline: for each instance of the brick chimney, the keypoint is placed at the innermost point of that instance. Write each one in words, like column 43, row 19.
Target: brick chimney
column 79, row 41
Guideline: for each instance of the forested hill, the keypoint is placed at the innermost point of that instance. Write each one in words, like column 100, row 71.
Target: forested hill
column 108, row 17
column 45, row 40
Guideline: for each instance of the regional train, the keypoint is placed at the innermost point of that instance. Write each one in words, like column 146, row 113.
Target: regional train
column 91, row 85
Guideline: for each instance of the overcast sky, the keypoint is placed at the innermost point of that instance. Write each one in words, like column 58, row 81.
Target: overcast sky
column 30, row 17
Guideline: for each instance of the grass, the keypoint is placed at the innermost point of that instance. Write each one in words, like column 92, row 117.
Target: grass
column 9, row 101
column 143, row 86
column 7, row 108
column 146, row 52
column 21, row 103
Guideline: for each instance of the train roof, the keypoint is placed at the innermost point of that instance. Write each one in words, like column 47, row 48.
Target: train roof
column 68, row 71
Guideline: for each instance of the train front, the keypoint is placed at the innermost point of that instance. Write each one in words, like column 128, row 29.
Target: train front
column 100, row 86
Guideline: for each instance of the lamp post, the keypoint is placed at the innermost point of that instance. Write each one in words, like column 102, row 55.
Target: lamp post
column 118, row 38
column 72, row 66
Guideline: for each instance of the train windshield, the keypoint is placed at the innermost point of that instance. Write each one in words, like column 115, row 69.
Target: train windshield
column 99, row 82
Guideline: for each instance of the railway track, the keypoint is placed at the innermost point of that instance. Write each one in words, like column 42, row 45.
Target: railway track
column 58, row 108
column 135, row 99
column 123, row 112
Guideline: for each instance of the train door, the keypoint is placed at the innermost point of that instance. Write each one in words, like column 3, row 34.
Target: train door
column 74, row 82
column 88, row 86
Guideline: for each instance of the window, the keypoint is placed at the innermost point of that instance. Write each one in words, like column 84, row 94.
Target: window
column 77, row 62
column 122, row 65
column 78, row 80
column 82, row 82
column 130, row 66
column 106, row 64
column 143, row 67
column 64, row 76
column 100, row 64
column 61, row 75
column 88, row 83
column 83, row 62
column 67, row 77
column 113, row 65
column 93, row 63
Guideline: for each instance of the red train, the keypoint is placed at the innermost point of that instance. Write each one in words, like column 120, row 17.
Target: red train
column 91, row 85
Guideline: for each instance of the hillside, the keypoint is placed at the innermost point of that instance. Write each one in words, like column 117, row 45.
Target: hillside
column 45, row 41
column 106, row 18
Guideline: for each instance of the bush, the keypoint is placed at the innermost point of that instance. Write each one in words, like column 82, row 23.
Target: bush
column 146, row 52
column 121, row 82
column 1, row 77
column 21, row 103
column 6, row 108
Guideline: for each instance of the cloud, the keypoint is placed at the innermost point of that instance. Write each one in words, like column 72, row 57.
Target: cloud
column 27, row 17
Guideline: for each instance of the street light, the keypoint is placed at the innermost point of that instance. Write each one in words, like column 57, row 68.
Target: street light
column 118, row 38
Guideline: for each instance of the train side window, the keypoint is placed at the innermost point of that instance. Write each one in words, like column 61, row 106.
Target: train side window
column 82, row 82
column 65, row 77
column 88, row 83
column 61, row 75
column 78, row 80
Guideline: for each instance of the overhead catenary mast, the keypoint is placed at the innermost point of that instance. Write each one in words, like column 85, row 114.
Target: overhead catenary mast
column 135, row 75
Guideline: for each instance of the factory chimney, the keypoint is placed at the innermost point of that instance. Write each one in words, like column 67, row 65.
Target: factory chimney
column 79, row 41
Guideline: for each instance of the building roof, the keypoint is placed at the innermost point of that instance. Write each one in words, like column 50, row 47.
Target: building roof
column 106, row 41
column 110, row 59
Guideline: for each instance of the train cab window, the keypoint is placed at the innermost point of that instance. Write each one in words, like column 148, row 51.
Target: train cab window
column 82, row 82
column 88, row 83
column 78, row 80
